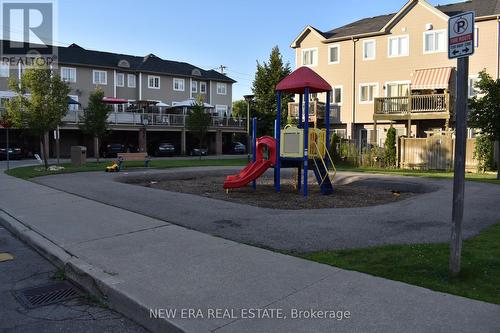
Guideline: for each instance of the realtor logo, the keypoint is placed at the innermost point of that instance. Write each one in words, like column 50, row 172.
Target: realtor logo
column 27, row 32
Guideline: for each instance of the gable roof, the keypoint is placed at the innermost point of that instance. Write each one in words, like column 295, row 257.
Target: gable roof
column 376, row 24
column 77, row 55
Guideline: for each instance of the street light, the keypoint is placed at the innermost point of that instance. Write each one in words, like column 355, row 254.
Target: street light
column 248, row 99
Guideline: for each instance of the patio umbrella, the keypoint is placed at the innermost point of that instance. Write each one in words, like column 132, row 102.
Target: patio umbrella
column 189, row 103
column 161, row 104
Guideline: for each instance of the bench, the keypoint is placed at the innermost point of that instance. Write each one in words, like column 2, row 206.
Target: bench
column 122, row 157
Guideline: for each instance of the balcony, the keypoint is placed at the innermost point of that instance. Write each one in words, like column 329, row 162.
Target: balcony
column 316, row 111
column 434, row 106
column 155, row 120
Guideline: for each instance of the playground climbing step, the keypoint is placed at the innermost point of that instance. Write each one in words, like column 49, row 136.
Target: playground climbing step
column 323, row 178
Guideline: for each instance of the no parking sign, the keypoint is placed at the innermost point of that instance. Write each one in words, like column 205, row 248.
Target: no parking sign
column 461, row 35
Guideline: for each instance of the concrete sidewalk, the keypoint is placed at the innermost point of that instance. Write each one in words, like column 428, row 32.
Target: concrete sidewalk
column 139, row 263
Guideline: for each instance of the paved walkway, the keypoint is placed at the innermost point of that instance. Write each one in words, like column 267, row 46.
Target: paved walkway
column 423, row 218
column 139, row 263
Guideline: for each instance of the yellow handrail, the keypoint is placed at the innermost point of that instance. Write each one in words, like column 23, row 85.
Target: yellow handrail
column 330, row 160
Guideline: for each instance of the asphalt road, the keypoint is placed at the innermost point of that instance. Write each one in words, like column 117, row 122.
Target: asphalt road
column 424, row 218
column 29, row 269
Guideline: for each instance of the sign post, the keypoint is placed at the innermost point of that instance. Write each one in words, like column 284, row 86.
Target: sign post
column 460, row 47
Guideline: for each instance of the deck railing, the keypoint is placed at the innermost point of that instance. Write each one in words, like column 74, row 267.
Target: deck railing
column 155, row 119
column 316, row 110
column 412, row 104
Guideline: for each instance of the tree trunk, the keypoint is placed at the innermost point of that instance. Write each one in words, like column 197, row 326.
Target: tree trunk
column 199, row 147
column 96, row 148
column 44, row 144
column 497, row 143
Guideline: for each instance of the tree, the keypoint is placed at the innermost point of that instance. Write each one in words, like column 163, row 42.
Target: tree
column 240, row 108
column 94, row 120
column 485, row 109
column 198, row 121
column 483, row 153
column 42, row 110
column 390, row 147
column 267, row 76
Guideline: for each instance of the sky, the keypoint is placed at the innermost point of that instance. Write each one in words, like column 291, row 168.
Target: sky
column 206, row 33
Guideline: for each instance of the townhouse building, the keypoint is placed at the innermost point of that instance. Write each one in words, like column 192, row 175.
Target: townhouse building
column 143, row 92
column 395, row 69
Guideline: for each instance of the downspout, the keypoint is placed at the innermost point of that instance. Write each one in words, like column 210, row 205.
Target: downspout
column 140, row 86
column 353, row 117
column 498, row 47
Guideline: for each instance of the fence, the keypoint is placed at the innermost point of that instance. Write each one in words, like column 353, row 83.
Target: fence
column 433, row 153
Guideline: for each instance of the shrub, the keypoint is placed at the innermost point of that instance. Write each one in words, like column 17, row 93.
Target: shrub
column 483, row 153
column 390, row 147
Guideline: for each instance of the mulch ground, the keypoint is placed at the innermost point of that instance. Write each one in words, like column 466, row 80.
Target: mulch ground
column 209, row 184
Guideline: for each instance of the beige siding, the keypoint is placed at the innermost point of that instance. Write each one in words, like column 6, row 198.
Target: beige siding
column 386, row 69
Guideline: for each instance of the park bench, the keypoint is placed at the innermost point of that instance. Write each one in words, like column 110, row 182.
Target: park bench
column 123, row 157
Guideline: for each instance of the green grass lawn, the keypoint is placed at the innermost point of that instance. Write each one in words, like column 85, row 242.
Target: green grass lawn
column 489, row 177
column 426, row 265
column 38, row 171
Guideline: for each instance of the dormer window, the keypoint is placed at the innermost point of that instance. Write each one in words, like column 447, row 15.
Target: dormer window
column 196, row 72
column 124, row 63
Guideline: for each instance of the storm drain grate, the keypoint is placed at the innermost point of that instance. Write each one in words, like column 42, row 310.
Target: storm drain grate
column 46, row 294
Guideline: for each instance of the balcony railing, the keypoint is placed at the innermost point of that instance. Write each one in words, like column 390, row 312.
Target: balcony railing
column 316, row 111
column 155, row 119
column 412, row 104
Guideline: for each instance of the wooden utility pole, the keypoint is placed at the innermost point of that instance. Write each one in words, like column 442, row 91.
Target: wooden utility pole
column 460, row 46
column 459, row 167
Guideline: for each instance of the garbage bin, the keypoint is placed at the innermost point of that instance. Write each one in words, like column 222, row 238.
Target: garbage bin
column 78, row 155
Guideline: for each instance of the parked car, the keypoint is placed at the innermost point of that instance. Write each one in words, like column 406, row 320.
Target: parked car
column 112, row 149
column 203, row 151
column 237, row 148
column 15, row 153
column 164, row 149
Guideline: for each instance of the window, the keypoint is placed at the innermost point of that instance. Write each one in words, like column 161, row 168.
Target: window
column 221, row 110
column 398, row 46
column 194, row 87
column 310, row 57
column 473, row 91
column 397, row 89
column 68, row 74
column 334, row 54
column 73, row 107
column 369, row 49
column 367, row 92
column 131, row 80
column 153, row 82
column 221, row 88
column 100, row 77
column 435, row 41
column 120, row 80
column 203, row 87
column 336, row 95
column 4, row 70
column 178, row 84
column 313, row 97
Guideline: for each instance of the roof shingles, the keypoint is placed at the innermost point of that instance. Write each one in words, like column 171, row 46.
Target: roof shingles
column 375, row 24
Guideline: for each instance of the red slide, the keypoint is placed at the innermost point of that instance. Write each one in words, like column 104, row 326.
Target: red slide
column 251, row 172
column 254, row 169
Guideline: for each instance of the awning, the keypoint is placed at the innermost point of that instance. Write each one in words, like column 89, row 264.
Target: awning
column 431, row 78
column 112, row 100
column 72, row 101
column 189, row 103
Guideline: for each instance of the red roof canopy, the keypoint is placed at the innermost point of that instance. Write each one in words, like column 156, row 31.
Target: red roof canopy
column 113, row 100
column 302, row 78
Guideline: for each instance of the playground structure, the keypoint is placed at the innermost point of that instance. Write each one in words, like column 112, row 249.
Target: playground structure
column 298, row 146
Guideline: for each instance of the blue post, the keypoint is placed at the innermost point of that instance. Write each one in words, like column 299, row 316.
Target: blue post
column 254, row 145
column 327, row 122
column 278, row 139
column 301, row 100
column 306, row 139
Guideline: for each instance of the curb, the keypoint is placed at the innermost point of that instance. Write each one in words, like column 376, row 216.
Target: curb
column 88, row 277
